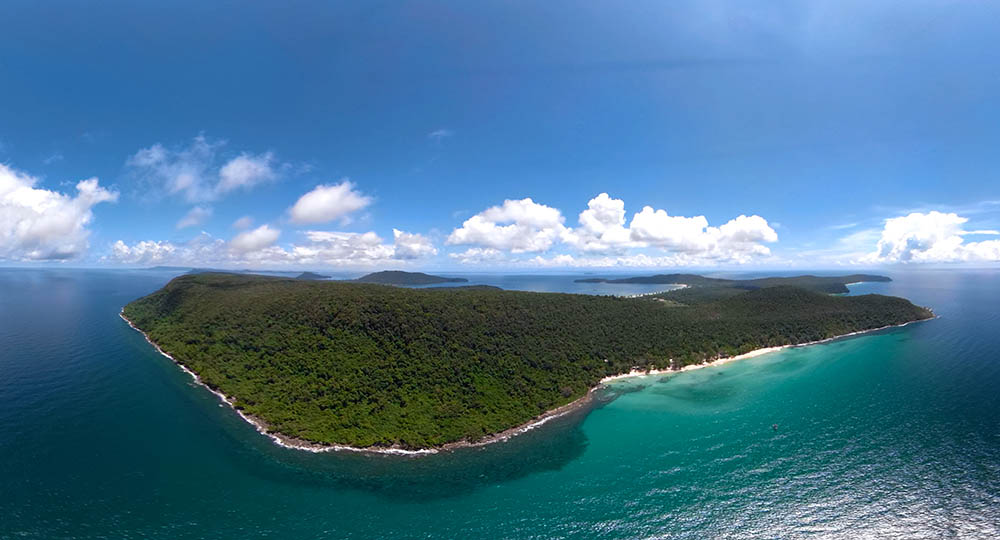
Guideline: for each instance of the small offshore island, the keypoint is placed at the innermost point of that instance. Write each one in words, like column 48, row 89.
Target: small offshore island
column 398, row 277
column 334, row 364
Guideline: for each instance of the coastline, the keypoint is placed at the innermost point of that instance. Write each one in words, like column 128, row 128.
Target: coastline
column 654, row 293
column 300, row 444
column 637, row 372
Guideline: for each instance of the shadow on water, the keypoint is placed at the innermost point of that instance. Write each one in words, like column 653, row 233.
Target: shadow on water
column 549, row 447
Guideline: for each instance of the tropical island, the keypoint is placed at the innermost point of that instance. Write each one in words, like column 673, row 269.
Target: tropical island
column 398, row 277
column 323, row 363
column 311, row 276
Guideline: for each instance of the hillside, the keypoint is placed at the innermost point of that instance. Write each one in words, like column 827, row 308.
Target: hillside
column 311, row 276
column 398, row 277
column 367, row 365
column 826, row 284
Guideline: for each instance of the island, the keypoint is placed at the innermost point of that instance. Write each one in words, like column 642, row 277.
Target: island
column 333, row 364
column 826, row 284
column 311, row 276
column 398, row 277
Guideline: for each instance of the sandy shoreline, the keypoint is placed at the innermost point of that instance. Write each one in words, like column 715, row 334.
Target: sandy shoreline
column 637, row 372
column 299, row 444
column 678, row 286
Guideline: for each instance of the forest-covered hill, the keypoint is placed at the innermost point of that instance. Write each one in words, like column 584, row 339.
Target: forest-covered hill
column 399, row 277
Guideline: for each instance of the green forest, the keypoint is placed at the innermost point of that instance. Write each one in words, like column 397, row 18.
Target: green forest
column 826, row 284
column 377, row 366
column 398, row 277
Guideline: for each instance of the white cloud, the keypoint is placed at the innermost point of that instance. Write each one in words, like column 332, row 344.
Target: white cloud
column 517, row 226
column 343, row 249
column 520, row 226
column 676, row 233
column 42, row 224
column 842, row 226
column 195, row 216
column 602, row 225
column 329, row 202
column 246, row 171
column 633, row 260
column 478, row 255
column 203, row 250
column 244, row 222
column 193, row 172
column 739, row 240
column 145, row 252
column 257, row 249
column 411, row 245
column 931, row 237
column 558, row 261
column 439, row 134
column 255, row 240
column 185, row 172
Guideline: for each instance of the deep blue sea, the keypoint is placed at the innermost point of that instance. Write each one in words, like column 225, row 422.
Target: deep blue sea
column 889, row 435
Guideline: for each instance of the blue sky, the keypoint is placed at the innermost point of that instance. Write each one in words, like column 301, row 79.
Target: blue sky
column 411, row 134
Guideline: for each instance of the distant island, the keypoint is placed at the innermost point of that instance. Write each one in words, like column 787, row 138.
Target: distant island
column 311, row 275
column 323, row 364
column 826, row 284
column 398, row 277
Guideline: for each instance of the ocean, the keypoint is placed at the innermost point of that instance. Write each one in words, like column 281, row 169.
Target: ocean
column 894, row 434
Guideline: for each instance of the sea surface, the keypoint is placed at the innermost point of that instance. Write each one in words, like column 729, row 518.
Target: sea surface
column 889, row 435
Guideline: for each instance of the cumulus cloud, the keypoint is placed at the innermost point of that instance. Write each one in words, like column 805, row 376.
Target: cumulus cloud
column 517, row 226
column 478, row 255
column 195, row 216
column 328, row 202
column 520, row 226
column 343, row 248
column 254, row 240
column 203, row 250
column 411, row 245
column 194, row 173
column 145, row 252
column 602, row 225
column 738, row 240
column 41, row 224
column 246, row 171
column 258, row 248
column 632, row 260
column 677, row 233
column 932, row 237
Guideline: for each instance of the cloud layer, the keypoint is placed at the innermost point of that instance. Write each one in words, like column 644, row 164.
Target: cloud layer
column 524, row 226
column 40, row 224
column 257, row 247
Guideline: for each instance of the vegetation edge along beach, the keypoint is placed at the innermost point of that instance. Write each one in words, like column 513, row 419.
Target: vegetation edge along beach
column 336, row 366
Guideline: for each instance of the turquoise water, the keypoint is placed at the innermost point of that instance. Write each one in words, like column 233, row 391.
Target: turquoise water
column 557, row 283
column 895, row 434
